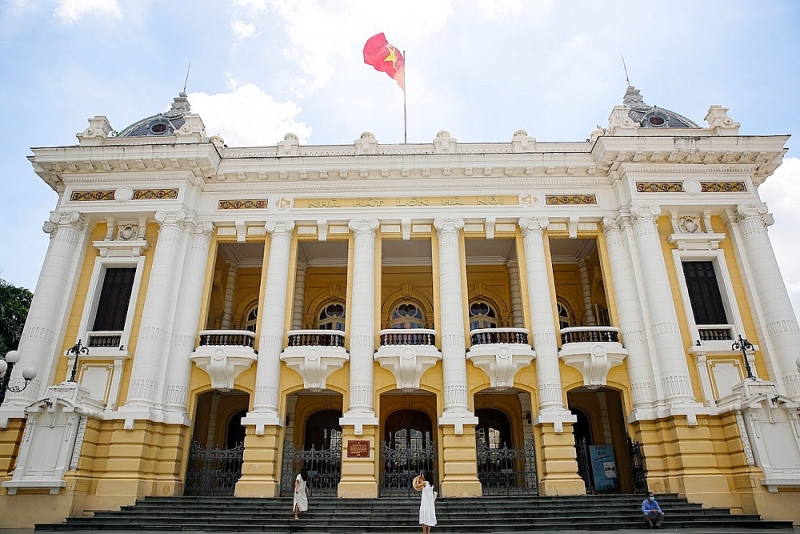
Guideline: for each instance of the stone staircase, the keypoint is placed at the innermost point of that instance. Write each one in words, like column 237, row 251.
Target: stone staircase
column 400, row 515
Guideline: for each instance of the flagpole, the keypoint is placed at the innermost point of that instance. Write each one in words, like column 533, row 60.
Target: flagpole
column 405, row 114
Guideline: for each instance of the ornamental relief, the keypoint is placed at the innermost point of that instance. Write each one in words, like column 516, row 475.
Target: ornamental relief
column 155, row 194
column 88, row 196
column 243, row 204
column 563, row 200
column 678, row 187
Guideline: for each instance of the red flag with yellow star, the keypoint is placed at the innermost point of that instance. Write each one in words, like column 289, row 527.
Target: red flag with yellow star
column 385, row 58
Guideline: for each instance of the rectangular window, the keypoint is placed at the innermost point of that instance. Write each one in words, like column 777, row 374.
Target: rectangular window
column 704, row 294
column 115, row 296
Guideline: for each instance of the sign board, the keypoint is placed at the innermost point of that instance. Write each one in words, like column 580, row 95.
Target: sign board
column 604, row 467
column 357, row 448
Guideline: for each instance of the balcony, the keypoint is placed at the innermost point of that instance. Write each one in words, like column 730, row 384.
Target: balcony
column 224, row 354
column 315, row 354
column 592, row 350
column 104, row 339
column 500, row 353
column 407, row 354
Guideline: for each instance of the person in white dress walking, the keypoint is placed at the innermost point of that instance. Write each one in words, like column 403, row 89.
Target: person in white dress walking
column 427, row 508
column 300, row 493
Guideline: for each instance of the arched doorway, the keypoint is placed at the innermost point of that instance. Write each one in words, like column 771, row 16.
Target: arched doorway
column 408, row 448
column 601, row 444
column 504, row 466
column 215, row 454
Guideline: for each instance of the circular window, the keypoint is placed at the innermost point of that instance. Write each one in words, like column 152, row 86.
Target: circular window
column 656, row 121
column 158, row 128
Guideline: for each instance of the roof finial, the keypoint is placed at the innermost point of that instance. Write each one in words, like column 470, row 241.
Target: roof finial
column 186, row 81
column 626, row 70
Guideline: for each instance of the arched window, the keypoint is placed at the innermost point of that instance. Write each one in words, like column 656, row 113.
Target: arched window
column 407, row 315
column 493, row 429
column 323, row 430
column 564, row 316
column 332, row 317
column 252, row 319
column 482, row 315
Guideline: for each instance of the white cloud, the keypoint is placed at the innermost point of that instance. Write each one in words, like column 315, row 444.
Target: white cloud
column 242, row 30
column 248, row 116
column 499, row 9
column 780, row 192
column 69, row 11
column 255, row 5
column 320, row 31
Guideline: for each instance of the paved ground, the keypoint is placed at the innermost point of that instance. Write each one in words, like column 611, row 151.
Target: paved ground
column 355, row 531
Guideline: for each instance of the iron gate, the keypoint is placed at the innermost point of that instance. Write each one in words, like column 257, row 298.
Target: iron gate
column 213, row 471
column 324, row 468
column 505, row 471
column 399, row 467
column 637, row 466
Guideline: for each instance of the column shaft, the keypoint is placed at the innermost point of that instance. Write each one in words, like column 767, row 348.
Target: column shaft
column 230, row 288
column 779, row 323
column 629, row 310
column 179, row 367
column 586, row 288
column 42, row 336
column 516, row 295
column 663, row 320
column 152, row 344
column 299, row 297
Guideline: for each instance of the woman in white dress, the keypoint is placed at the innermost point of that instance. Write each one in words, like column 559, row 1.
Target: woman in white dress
column 427, row 508
column 300, row 493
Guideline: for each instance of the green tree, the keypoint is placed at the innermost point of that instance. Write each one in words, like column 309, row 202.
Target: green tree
column 14, row 305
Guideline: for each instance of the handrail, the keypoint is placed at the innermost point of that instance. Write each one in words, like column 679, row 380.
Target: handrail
column 488, row 336
column 715, row 332
column 316, row 338
column 234, row 338
column 408, row 336
column 590, row 334
column 98, row 338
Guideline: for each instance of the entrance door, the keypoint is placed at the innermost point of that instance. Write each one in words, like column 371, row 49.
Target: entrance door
column 502, row 467
column 408, row 448
column 321, row 455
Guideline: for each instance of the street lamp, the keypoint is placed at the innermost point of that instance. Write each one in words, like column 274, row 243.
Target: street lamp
column 6, row 366
column 744, row 345
column 76, row 350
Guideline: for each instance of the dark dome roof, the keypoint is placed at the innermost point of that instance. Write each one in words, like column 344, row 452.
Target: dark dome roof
column 652, row 116
column 161, row 124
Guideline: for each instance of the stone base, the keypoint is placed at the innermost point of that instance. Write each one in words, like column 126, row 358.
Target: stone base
column 559, row 467
column 358, row 490
column 261, row 476
column 358, row 472
column 460, row 477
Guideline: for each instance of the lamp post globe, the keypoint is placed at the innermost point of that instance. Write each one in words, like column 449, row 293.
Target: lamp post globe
column 13, row 356
column 29, row 373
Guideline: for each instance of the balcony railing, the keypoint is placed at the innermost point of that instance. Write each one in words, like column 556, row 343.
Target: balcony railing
column 316, row 338
column 408, row 336
column 715, row 332
column 232, row 338
column 488, row 336
column 590, row 334
column 104, row 339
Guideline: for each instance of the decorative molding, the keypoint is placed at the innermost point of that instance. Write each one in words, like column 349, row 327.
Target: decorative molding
column 89, row 196
column 243, row 204
column 155, row 194
column 563, row 200
column 678, row 187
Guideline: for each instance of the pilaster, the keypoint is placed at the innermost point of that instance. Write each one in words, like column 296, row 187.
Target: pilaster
column 261, row 465
column 358, row 474
column 460, row 462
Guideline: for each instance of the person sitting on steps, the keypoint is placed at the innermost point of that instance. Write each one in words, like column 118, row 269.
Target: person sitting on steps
column 652, row 511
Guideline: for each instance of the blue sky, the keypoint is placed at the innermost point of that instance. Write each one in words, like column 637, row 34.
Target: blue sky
column 479, row 69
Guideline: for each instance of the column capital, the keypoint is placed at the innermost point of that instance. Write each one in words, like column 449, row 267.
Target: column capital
column 203, row 228
column 363, row 226
column 448, row 225
column 279, row 227
column 754, row 211
column 537, row 224
column 645, row 211
column 170, row 218
column 64, row 218
column 611, row 224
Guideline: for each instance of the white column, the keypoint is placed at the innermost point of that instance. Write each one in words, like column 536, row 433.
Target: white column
column 548, row 374
column 586, row 288
column 631, row 322
column 299, row 296
column 272, row 317
column 662, row 320
column 179, row 367
column 362, row 326
column 775, row 316
column 152, row 344
column 230, row 288
column 42, row 337
column 516, row 294
column 451, row 298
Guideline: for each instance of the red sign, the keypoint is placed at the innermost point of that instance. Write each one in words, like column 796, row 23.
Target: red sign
column 357, row 449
